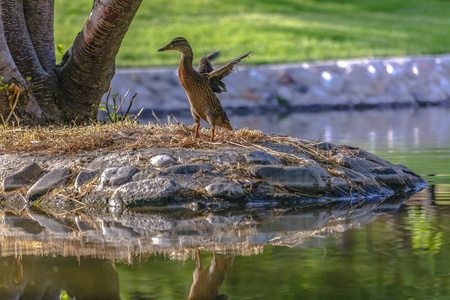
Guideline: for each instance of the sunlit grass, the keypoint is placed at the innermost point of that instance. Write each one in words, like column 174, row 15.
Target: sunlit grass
column 277, row 31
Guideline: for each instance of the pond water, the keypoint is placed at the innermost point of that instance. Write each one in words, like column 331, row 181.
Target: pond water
column 396, row 249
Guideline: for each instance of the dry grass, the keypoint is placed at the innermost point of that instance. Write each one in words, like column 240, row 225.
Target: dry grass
column 131, row 136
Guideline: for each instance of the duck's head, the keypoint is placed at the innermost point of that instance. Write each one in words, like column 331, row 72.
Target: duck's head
column 180, row 44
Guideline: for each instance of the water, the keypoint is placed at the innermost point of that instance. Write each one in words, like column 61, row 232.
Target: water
column 398, row 249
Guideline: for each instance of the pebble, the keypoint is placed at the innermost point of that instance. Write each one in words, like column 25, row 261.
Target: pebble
column 117, row 176
column 83, row 177
column 261, row 157
column 149, row 192
column 162, row 160
column 22, row 178
column 308, row 177
column 188, row 169
column 48, row 182
column 225, row 190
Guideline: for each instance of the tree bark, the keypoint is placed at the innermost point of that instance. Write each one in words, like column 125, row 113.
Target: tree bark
column 72, row 90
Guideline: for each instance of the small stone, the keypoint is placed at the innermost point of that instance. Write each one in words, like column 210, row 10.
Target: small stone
column 48, row 182
column 22, row 178
column 225, row 190
column 387, row 175
column 117, row 176
column 332, row 82
column 285, row 78
column 142, row 175
column 84, row 177
column 308, row 177
column 149, row 192
column 188, row 169
column 261, row 157
column 337, row 182
column 162, row 160
column 324, row 146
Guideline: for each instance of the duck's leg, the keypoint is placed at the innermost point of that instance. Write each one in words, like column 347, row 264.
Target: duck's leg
column 213, row 129
column 196, row 120
column 196, row 130
column 199, row 260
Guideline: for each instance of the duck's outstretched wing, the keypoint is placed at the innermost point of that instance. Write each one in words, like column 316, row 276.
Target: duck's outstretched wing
column 205, row 65
column 223, row 71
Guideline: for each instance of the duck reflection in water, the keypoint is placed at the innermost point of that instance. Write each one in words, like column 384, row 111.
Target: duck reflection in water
column 207, row 282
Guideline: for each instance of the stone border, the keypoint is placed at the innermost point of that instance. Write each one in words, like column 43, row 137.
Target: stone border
column 343, row 84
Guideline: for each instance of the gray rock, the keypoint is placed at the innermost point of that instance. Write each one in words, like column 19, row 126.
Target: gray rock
column 356, row 177
column 162, row 160
column 188, row 169
column 386, row 175
column 337, row 182
column 83, row 177
column 324, row 145
column 149, row 192
column 117, row 176
column 307, row 177
column 22, row 178
column 225, row 190
column 332, row 82
column 261, row 157
column 142, row 175
column 48, row 182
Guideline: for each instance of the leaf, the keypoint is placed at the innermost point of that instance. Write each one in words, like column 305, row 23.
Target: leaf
column 28, row 78
column 60, row 48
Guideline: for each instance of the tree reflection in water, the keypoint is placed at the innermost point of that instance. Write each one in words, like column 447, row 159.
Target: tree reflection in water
column 34, row 277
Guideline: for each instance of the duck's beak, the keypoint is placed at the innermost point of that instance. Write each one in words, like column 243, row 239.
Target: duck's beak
column 165, row 48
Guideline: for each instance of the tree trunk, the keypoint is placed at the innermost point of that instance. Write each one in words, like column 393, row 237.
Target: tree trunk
column 34, row 90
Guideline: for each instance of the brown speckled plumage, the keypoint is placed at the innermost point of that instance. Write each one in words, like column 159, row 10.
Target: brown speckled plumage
column 202, row 84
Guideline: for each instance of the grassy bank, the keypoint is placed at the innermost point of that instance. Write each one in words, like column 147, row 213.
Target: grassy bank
column 276, row 30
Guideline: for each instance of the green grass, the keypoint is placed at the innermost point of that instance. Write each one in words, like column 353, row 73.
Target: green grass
column 276, row 30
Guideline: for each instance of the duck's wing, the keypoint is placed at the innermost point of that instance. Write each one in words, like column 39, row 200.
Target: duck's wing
column 226, row 69
column 205, row 65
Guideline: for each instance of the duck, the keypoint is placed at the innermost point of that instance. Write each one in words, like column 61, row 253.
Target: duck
column 201, row 85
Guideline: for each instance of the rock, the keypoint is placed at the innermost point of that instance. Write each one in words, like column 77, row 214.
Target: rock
column 225, row 190
column 308, row 177
column 386, row 175
column 83, row 177
column 149, row 192
column 117, row 176
column 285, row 78
column 162, row 160
column 22, row 178
column 261, row 157
column 324, row 145
column 341, row 159
column 142, row 175
column 48, row 182
column 188, row 169
column 356, row 177
column 332, row 82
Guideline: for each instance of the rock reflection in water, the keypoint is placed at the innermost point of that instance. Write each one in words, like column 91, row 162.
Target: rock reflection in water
column 120, row 236
column 43, row 255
